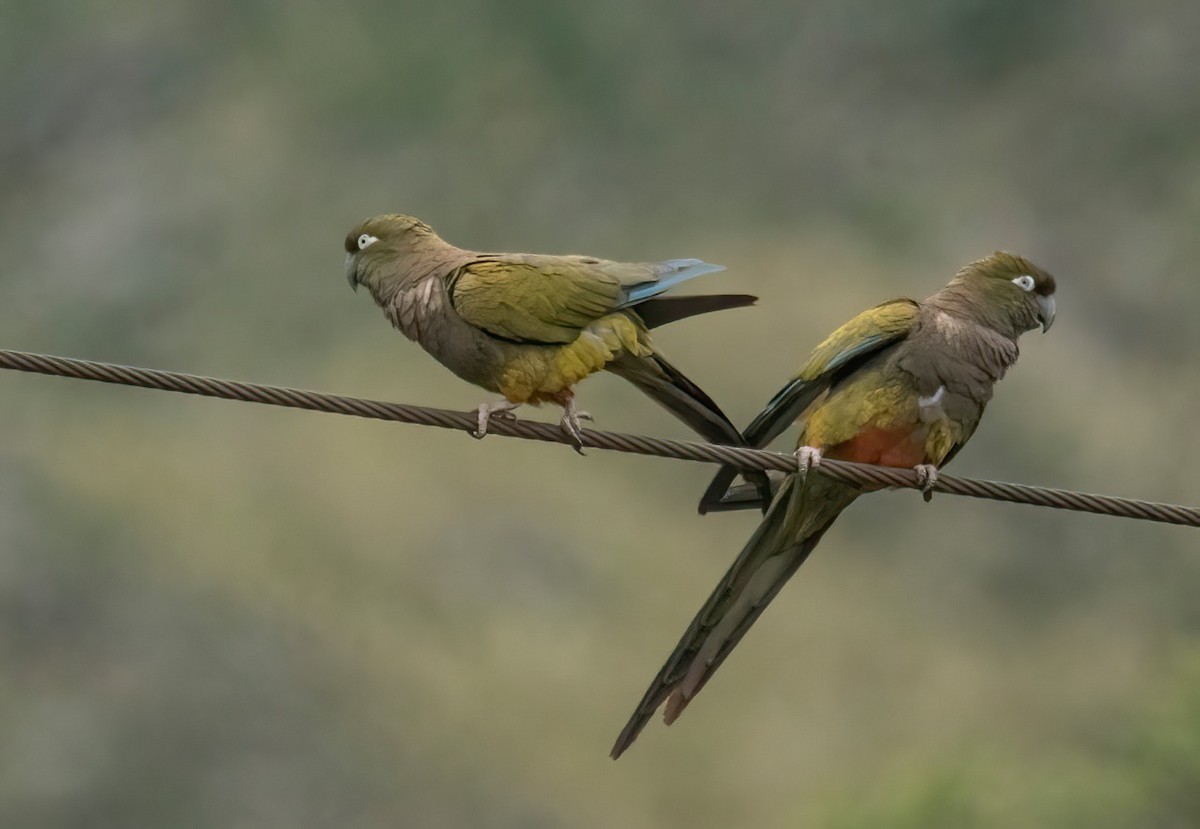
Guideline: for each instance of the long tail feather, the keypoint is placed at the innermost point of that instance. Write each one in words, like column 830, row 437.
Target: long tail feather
column 780, row 412
column 672, row 390
column 799, row 515
column 746, row 496
column 668, row 309
column 718, row 487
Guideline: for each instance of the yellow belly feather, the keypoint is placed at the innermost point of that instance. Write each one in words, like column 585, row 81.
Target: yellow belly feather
column 534, row 374
column 867, row 404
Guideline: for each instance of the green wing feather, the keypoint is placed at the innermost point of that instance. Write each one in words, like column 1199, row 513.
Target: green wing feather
column 547, row 301
column 862, row 337
column 538, row 298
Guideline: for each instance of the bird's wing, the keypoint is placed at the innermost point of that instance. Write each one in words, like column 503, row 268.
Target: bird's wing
column 841, row 353
column 547, row 299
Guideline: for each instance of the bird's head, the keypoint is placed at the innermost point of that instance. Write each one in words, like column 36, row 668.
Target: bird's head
column 1013, row 293
column 389, row 237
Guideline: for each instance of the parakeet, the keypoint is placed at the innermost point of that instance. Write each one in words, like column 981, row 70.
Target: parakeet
column 903, row 384
column 528, row 326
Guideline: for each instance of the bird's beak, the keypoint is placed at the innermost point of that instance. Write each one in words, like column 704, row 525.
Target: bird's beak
column 1046, row 311
column 352, row 273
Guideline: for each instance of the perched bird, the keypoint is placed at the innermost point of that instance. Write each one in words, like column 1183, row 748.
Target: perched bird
column 903, row 384
column 528, row 326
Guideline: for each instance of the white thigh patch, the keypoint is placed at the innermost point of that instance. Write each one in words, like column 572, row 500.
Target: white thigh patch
column 931, row 407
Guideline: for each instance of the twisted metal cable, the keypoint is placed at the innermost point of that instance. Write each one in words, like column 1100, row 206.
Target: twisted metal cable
column 743, row 458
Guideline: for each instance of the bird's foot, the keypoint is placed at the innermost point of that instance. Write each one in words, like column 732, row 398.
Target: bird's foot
column 808, row 457
column 502, row 410
column 927, row 475
column 570, row 423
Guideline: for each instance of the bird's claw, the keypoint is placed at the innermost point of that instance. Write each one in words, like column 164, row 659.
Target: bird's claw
column 570, row 424
column 927, row 475
column 808, row 457
column 491, row 411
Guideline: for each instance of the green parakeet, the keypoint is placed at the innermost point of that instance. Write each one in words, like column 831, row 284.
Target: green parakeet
column 528, row 326
column 903, row 384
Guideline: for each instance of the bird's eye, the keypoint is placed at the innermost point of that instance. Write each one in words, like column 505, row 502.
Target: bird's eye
column 366, row 240
column 1024, row 281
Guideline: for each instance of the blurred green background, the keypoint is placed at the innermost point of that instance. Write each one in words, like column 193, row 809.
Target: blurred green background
column 218, row 615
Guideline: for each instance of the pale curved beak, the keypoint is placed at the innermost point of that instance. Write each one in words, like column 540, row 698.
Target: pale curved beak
column 352, row 272
column 1046, row 312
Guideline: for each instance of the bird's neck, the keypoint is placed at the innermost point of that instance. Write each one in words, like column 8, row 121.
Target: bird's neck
column 967, row 303
column 389, row 275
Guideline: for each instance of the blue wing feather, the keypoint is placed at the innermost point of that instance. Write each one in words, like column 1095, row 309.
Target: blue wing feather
column 675, row 272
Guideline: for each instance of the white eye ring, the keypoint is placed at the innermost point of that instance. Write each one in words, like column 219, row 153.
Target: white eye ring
column 366, row 240
column 1024, row 281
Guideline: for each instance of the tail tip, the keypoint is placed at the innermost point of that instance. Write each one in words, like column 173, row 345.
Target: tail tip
column 624, row 741
column 674, row 707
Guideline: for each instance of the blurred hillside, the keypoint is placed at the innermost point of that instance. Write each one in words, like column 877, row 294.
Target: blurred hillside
column 229, row 616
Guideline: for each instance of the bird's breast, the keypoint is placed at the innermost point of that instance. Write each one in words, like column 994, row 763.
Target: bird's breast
column 413, row 309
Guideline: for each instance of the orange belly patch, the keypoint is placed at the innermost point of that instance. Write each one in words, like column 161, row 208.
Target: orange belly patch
column 904, row 447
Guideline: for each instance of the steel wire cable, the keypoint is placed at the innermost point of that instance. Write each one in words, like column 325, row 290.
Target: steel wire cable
column 743, row 458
